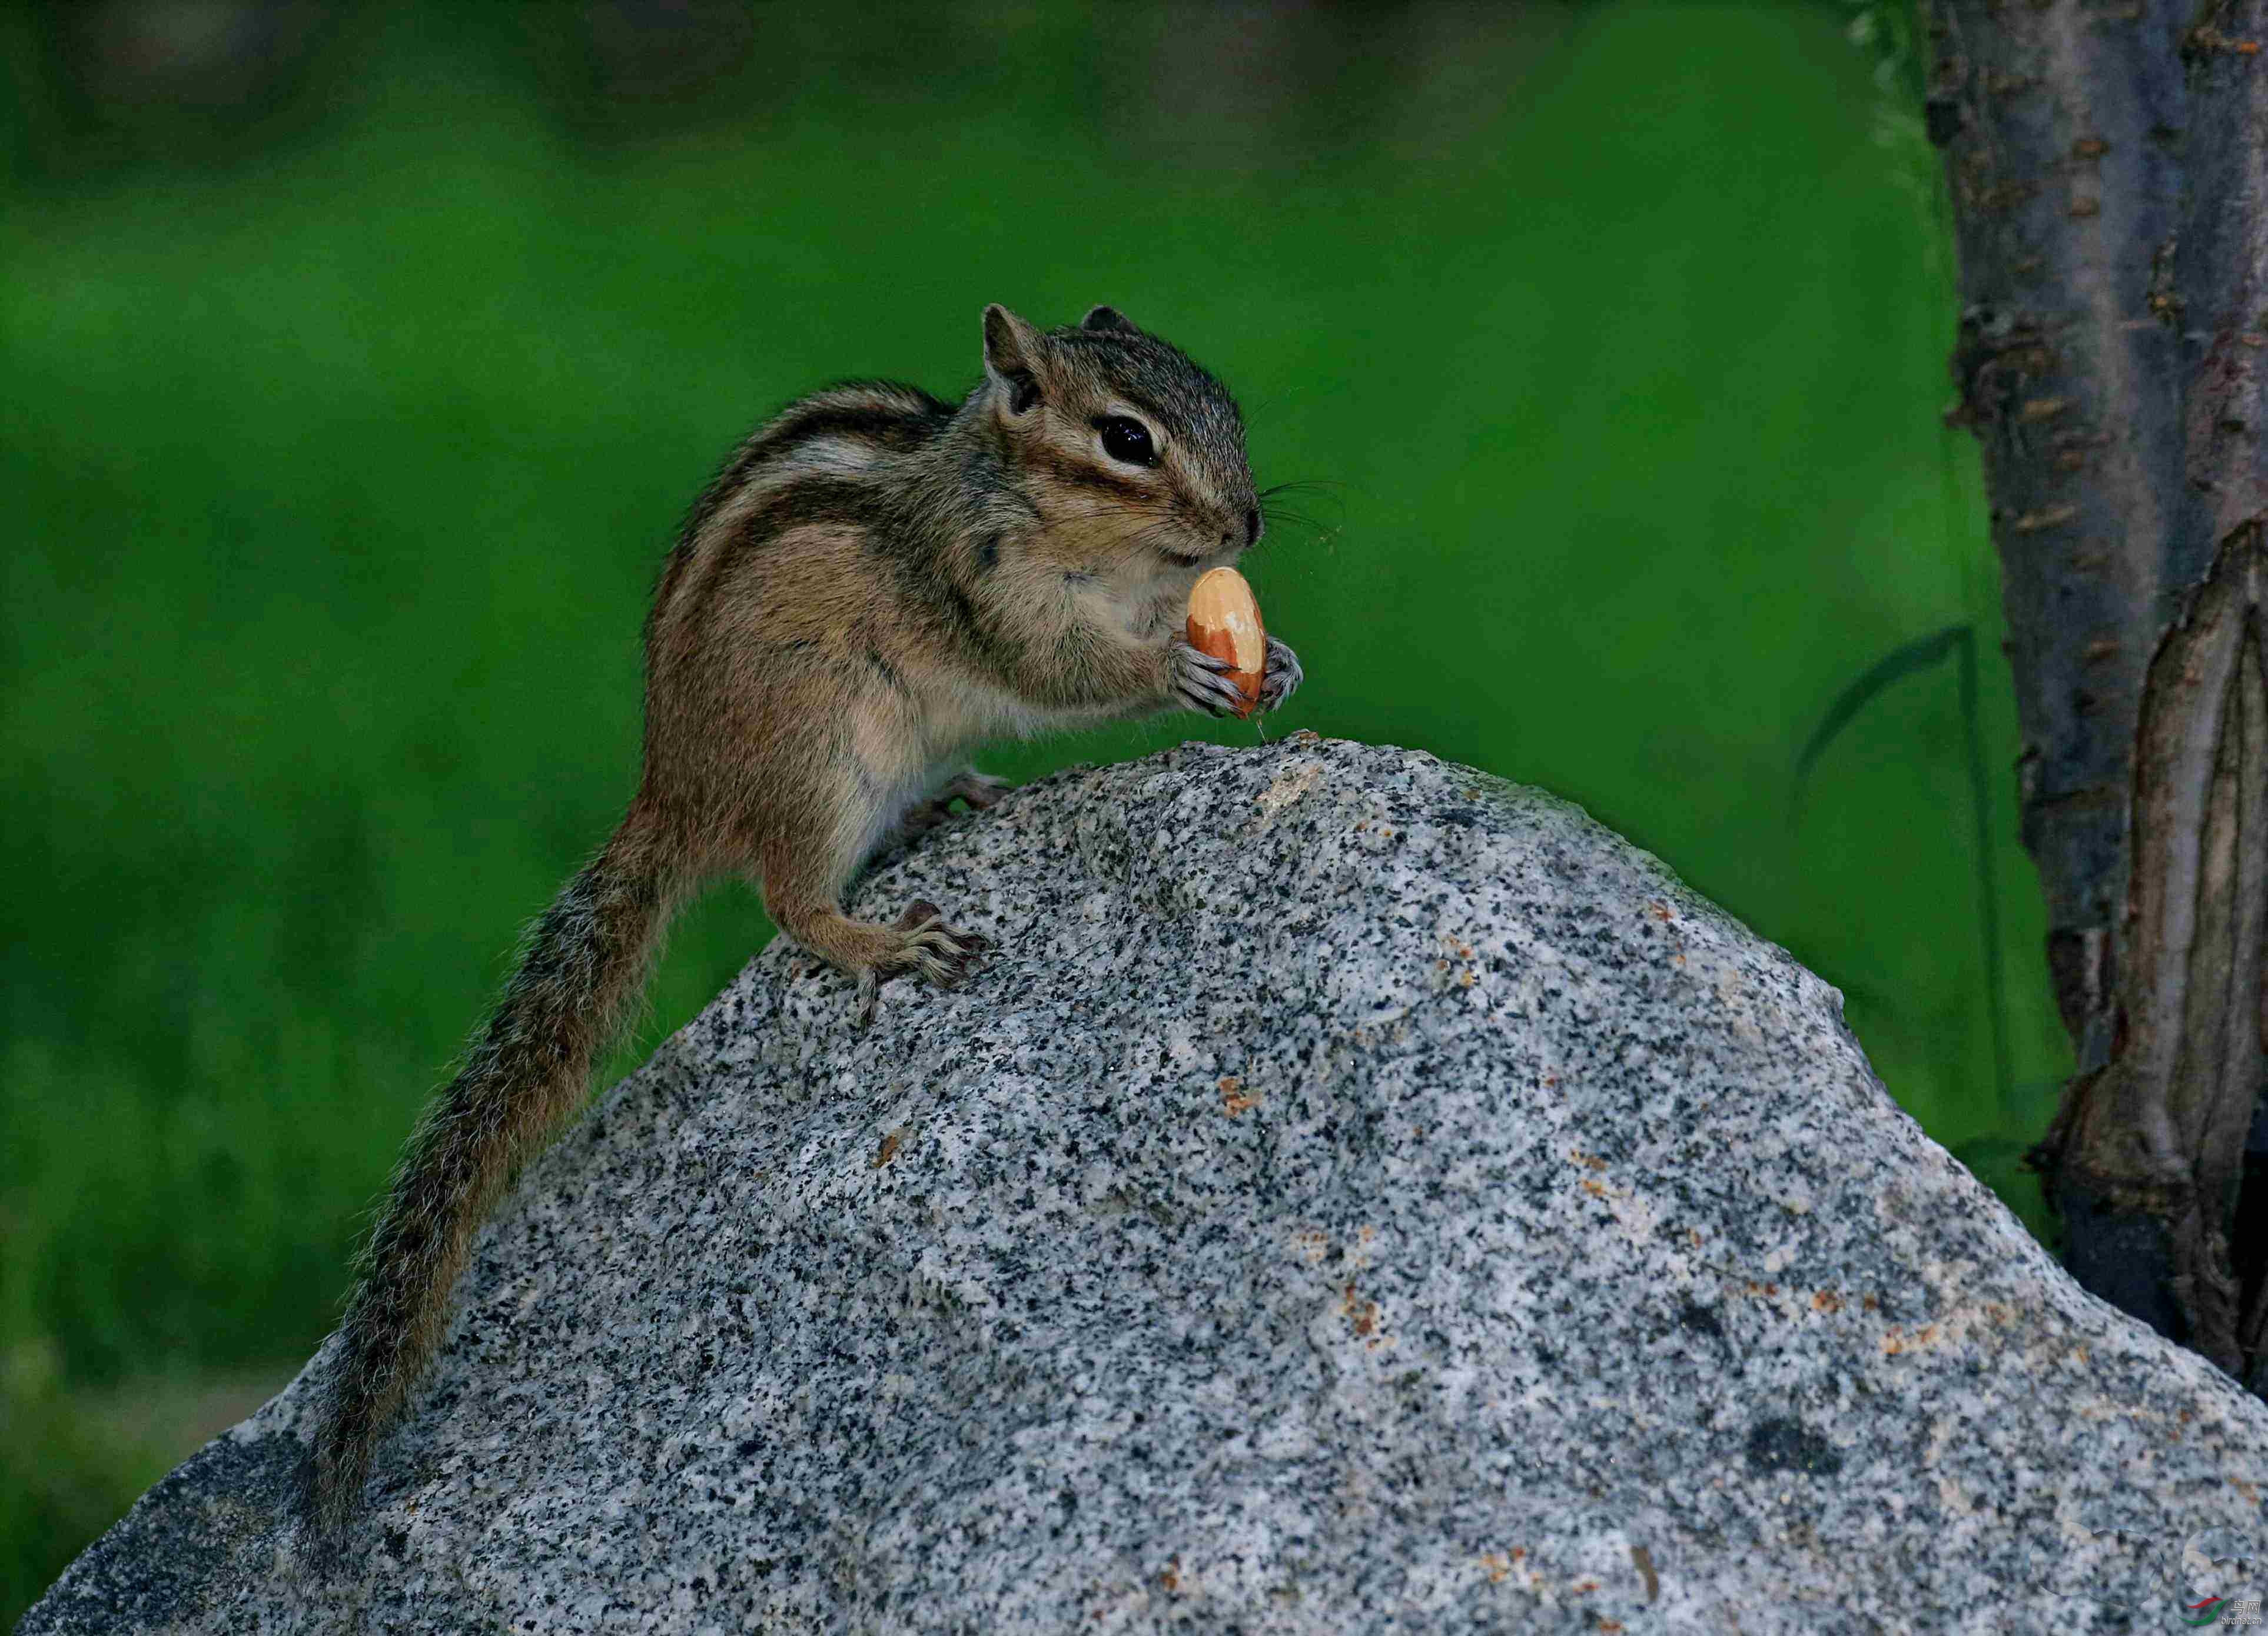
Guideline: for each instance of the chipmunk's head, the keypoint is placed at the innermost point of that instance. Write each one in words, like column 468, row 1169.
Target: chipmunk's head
column 1121, row 441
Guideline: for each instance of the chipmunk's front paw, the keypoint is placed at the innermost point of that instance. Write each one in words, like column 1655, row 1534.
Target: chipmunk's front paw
column 1200, row 682
column 1282, row 677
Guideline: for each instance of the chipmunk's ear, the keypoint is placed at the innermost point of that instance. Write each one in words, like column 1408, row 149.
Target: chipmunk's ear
column 1012, row 352
column 1107, row 318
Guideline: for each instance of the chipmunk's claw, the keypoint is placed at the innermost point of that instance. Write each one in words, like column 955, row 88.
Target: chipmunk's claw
column 928, row 948
column 934, row 950
column 1282, row 677
column 1201, row 683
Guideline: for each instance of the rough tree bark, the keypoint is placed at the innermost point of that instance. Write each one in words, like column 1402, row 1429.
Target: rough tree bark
column 2108, row 167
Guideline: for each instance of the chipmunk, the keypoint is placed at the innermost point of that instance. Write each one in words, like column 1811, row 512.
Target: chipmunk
column 876, row 580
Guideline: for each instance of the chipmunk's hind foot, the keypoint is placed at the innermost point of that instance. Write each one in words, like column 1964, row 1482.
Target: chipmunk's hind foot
column 933, row 949
column 980, row 790
column 918, row 943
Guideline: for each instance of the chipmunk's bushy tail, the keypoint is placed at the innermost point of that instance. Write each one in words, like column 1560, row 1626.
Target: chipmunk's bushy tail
column 530, row 1067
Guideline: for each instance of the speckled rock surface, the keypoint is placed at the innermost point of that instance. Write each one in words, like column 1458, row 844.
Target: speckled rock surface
column 1358, row 1196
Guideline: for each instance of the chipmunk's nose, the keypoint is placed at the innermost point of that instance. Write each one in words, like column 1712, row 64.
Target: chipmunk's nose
column 1252, row 525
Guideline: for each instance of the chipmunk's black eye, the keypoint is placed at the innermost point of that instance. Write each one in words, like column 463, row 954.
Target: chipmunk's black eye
column 1126, row 440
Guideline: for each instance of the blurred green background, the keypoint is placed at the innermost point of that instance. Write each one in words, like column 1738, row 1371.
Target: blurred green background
column 357, row 361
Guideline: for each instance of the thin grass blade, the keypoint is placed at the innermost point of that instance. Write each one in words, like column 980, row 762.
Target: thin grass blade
column 1895, row 666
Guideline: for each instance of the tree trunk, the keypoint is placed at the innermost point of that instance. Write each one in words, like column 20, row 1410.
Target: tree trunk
column 2108, row 167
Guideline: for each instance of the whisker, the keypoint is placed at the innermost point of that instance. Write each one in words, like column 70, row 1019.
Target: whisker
column 1302, row 485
